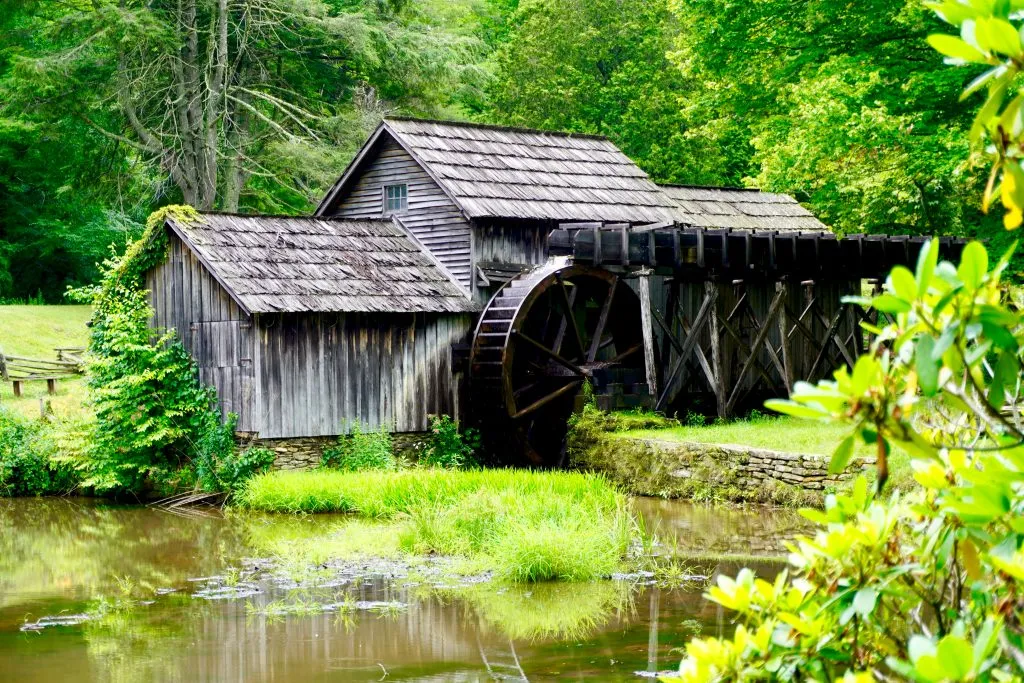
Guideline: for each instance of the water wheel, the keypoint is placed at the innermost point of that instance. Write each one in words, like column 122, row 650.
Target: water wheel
column 542, row 337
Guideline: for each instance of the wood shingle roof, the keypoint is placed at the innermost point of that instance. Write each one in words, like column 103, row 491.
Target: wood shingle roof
column 291, row 264
column 719, row 207
column 497, row 172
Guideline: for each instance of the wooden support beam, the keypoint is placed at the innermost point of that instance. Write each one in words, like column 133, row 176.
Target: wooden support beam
column 787, row 349
column 688, row 346
column 648, row 332
column 762, row 335
column 718, row 386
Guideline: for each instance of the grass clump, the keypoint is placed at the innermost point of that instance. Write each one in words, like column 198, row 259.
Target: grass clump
column 525, row 526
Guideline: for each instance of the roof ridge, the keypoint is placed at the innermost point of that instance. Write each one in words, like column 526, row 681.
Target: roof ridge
column 730, row 188
column 326, row 219
column 493, row 126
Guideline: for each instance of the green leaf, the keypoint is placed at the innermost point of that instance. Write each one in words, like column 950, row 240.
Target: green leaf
column 956, row 49
column 902, row 282
column 887, row 303
column 981, row 81
column 864, row 601
column 973, row 265
column 996, row 35
column 841, row 456
column 926, row 261
column 795, row 409
column 927, row 365
column 955, row 656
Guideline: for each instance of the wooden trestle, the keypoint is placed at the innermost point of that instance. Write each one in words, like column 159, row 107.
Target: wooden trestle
column 736, row 316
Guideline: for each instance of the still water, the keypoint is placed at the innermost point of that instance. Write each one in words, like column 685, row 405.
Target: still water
column 93, row 592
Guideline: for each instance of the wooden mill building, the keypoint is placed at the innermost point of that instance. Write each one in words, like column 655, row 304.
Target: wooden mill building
column 490, row 272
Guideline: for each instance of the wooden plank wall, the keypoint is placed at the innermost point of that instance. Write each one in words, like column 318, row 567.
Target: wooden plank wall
column 432, row 216
column 319, row 373
column 514, row 242
column 217, row 333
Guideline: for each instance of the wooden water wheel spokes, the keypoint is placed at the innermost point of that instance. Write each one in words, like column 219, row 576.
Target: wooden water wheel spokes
column 540, row 339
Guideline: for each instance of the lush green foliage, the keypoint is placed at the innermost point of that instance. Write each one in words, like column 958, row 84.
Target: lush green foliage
column 220, row 465
column 599, row 67
column 449, row 446
column 513, row 521
column 361, row 449
column 29, row 458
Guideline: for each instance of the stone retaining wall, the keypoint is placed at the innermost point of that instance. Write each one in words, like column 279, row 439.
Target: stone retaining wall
column 299, row 453
column 749, row 467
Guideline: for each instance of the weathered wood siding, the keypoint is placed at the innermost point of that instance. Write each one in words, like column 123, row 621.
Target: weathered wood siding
column 218, row 334
column 319, row 373
column 432, row 217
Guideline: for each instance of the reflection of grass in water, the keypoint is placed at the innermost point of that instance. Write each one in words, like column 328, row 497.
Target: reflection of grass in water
column 546, row 610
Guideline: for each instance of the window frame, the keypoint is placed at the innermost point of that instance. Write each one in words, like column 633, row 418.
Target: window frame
column 402, row 198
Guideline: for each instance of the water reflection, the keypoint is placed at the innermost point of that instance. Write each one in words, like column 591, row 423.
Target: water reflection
column 118, row 564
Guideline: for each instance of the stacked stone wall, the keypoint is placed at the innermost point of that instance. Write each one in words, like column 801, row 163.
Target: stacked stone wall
column 300, row 453
column 749, row 467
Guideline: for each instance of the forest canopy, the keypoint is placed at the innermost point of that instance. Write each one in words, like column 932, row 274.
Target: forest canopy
column 112, row 108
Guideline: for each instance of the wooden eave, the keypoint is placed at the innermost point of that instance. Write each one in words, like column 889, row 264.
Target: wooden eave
column 206, row 264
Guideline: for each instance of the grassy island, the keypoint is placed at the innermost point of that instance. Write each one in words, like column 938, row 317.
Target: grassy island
column 523, row 525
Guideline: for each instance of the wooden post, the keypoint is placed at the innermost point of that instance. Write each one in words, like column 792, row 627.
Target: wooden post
column 716, row 351
column 646, row 323
column 51, row 386
column 787, row 354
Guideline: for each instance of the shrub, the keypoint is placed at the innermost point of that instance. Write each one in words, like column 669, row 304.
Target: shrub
column 925, row 586
column 222, row 466
column 30, row 461
column 361, row 449
column 449, row 446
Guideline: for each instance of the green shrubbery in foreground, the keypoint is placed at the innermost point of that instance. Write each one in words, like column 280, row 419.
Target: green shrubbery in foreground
column 526, row 526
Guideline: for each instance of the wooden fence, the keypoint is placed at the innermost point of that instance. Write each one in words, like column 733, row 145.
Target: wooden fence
column 18, row 369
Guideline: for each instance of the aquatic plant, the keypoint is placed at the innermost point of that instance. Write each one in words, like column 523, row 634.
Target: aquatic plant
column 526, row 526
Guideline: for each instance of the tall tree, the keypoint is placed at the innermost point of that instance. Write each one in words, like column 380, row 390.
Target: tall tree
column 216, row 91
column 842, row 104
column 598, row 66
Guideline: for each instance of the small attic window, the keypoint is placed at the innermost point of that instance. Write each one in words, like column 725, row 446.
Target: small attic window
column 396, row 199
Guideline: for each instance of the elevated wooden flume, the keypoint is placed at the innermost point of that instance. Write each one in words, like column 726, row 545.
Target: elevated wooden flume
column 668, row 316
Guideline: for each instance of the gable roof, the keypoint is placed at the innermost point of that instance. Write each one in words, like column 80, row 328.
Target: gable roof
column 499, row 172
column 721, row 207
column 289, row 264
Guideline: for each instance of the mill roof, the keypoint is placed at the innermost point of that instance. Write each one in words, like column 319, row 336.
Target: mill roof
column 291, row 264
column 722, row 207
column 500, row 172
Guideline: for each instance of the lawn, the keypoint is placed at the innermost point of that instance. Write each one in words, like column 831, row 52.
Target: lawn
column 34, row 332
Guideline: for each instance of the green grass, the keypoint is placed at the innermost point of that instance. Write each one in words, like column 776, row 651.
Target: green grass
column 34, row 332
column 525, row 526
column 776, row 433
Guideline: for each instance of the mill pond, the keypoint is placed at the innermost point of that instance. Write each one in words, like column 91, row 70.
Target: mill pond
column 100, row 592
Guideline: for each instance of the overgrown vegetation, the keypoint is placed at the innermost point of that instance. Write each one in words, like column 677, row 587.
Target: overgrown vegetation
column 448, row 445
column 157, row 429
column 31, row 462
column 514, row 522
column 361, row 449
